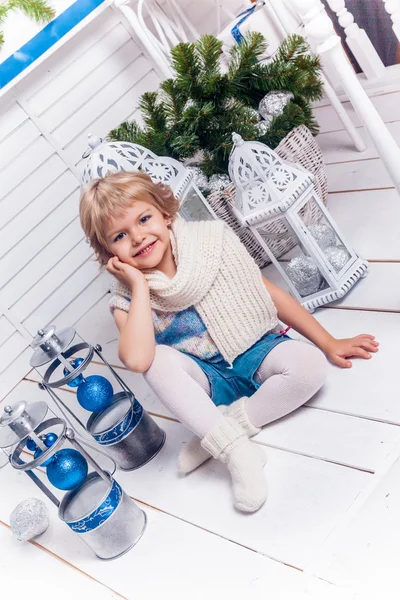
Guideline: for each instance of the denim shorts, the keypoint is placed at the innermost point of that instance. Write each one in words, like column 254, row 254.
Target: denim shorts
column 230, row 382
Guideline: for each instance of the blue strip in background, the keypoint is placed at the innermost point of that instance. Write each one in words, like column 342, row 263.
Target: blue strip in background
column 45, row 39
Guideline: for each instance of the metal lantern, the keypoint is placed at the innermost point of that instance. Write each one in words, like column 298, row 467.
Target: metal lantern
column 278, row 201
column 102, row 158
column 94, row 506
column 117, row 421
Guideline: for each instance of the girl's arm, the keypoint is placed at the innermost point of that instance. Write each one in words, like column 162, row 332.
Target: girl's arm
column 136, row 347
column 337, row 350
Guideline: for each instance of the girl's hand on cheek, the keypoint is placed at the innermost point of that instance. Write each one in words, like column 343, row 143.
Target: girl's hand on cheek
column 125, row 273
column 339, row 351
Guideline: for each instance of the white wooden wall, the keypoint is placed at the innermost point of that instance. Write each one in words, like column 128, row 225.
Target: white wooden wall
column 47, row 273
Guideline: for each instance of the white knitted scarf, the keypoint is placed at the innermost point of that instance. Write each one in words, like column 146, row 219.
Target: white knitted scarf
column 217, row 276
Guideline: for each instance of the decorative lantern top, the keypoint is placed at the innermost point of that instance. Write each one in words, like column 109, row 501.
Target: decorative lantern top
column 105, row 157
column 265, row 184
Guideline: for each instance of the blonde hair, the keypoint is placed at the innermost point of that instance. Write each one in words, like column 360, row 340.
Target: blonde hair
column 110, row 196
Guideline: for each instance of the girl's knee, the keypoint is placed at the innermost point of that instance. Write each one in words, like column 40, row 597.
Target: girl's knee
column 161, row 358
column 312, row 368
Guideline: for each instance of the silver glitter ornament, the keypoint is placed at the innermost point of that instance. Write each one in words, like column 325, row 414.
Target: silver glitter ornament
column 263, row 126
column 274, row 103
column 218, row 183
column 29, row 519
column 304, row 274
column 338, row 257
column 323, row 235
column 200, row 179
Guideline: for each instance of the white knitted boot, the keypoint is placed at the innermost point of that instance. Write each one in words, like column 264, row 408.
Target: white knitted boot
column 193, row 454
column 228, row 442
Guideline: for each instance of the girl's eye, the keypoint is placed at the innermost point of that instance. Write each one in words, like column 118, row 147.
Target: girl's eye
column 145, row 219
column 119, row 237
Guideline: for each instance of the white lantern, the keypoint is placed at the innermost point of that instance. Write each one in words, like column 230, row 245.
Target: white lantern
column 277, row 200
column 102, row 158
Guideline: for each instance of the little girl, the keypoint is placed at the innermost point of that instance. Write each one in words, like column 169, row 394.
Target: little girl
column 198, row 319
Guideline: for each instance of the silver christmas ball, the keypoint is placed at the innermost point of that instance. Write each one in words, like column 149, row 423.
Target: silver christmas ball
column 274, row 103
column 304, row 274
column 338, row 257
column 200, row 179
column 323, row 235
column 29, row 519
column 217, row 183
column 264, row 125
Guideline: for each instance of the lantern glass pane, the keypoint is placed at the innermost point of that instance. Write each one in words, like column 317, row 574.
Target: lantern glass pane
column 328, row 239
column 294, row 259
column 194, row 207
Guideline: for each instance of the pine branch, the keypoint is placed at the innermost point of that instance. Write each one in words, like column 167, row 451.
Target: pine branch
column 186, row 64
column 174, row 99
column 209, row 52
column 153, row 111
column 4, row 10
column 1, row 39
column 126, row 132
column 38, row 10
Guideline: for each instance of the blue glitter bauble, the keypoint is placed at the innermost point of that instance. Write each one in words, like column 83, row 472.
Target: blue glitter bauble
column 31, row 445
column 67, row 470
column 78, row 380
column 50, row 438
column 95, row 393
column 47, row 462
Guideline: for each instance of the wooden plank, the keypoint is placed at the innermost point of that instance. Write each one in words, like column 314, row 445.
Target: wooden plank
column 386, row 105
column 35, row 562
column 77, row 70
column 366, row 548
column 366, row 390
column 110, row 93
column 11, row 349
column 241, row 570
column 21, row 138
column 31, row 216
column 42, row 263
column 30, row 187
column 6, row 329
column 26, row 163
column 358, row 175
column 86, row 90
column 61, row 297
column 70, row 53
column 12, row 117
column 112, row 116
column 46, row 231
column 15, row 372
column 53, row 279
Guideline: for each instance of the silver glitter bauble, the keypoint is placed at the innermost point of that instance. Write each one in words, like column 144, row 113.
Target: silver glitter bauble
column 323, row 235
column 274, row 103
column 264, row 125
column 29, row 519
column 304, row 274
column 338, row 257
column 200, row 179
column 218, row 183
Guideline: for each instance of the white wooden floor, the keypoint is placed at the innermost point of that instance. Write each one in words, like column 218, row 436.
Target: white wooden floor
column 331, row 526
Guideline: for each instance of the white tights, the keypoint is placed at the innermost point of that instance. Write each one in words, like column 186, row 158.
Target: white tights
column 290, row 374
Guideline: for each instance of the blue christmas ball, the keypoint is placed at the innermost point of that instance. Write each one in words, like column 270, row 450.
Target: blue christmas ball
column 31, row 445
column 68, row 470
column 47, row 462
column 78, row 380
column 49, row 439
column 95, row 393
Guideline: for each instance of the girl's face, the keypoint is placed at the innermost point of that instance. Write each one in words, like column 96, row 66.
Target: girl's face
column 140, row 237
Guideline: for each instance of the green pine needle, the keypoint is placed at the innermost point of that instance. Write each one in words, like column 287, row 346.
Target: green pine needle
column 38, row 10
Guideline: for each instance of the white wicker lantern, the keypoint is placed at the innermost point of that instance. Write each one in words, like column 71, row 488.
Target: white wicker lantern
column 102, row 158
column 277, row 200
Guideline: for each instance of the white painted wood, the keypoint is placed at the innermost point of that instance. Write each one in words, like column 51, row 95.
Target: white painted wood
column 356, row 175
column 39, row 265
column 393, row 8
column 6, row 329
column 15, row 118
column 367, row 548
column 369, row 221
column 15, row 372
column 368, row 388
column 11, row 349
column 86, row 63
column 30, row 187
column 112, row 117
column 105, row 98
column 153, row 567
column 27, row 162
column 21, row 138
column 36, row 563
column 26, row 220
